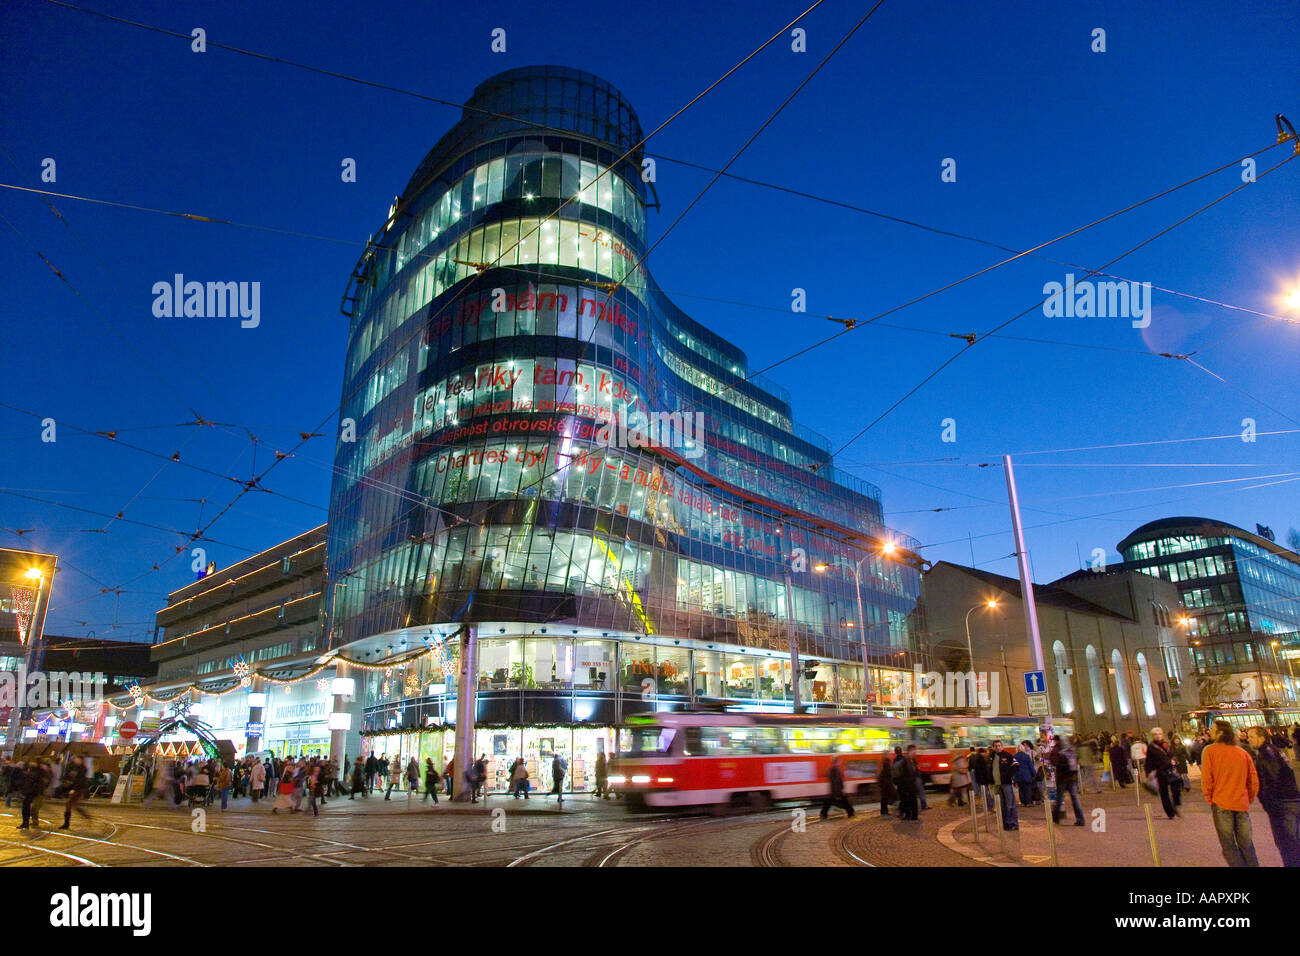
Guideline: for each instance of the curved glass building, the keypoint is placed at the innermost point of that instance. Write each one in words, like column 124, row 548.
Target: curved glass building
column 540, row 446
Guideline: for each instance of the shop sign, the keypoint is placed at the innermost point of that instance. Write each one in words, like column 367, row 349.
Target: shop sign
column 254, row 729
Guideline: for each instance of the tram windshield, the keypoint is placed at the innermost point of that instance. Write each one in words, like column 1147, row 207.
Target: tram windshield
column 645, row 741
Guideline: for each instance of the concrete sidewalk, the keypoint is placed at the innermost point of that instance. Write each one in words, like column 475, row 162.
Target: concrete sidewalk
column 1116, row 834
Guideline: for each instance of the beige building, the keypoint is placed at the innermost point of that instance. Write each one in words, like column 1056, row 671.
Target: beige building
column 1114, row 654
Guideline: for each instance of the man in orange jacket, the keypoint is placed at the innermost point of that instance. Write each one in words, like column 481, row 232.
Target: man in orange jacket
column 1230, row 782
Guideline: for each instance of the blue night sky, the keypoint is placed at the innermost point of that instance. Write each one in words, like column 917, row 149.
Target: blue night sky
column 1047, row 136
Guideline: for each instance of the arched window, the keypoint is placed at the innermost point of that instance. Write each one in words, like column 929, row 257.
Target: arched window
column 1063, row 678
column 1144, row 678
column 1096, row 681
column 1121, row 683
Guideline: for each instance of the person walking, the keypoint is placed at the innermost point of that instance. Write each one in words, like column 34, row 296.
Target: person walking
column 358, row 779
column 430, row 780
column 317, row 785
column 1086, row 754
column 394, row 777
column 371, row 768
column 1160, row 767
column 480, row 778
column 1065, row 761
column 412, row 777
column 449, row 774
column 1004, row 772
column 75, row 785
column 1230, row 782
column 557, row 776
column 383, row 771
column 917, row 776
column 224, row 781
column 32, row 782
column 519, row 778
column 905, row 783
column 602, row 776
column 1119, row 758
column 836, row 795
column 1278, row 795
column 1025, row 772
column 1178, row 753
column 885, row 778
column 959, row 782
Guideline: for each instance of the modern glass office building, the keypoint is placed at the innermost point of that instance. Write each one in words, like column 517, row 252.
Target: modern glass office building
column 1241, row 600
column 501, row 320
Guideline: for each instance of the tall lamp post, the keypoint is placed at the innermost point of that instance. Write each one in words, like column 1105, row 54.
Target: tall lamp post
column 886, row 550
column 992, row 605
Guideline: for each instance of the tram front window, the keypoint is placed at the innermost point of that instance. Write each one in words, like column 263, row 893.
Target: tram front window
column 645, row 741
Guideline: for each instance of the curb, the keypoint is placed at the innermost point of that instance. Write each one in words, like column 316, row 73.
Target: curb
column 947, row 839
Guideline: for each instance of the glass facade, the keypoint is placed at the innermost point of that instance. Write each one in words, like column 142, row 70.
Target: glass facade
column 535, row 435
column 1240, row 593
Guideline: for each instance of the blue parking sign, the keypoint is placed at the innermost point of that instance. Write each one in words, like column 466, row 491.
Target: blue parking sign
column 1035, row 682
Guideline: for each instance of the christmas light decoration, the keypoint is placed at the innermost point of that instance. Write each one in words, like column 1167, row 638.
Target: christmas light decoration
column 23, row 601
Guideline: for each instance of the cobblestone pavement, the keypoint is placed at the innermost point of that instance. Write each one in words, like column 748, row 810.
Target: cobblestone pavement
column 1116, row 834
column 587, row 832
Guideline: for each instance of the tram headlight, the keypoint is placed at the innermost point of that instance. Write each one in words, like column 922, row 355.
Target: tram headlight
column 641, row 778
column 618, row 778
column 665, row 779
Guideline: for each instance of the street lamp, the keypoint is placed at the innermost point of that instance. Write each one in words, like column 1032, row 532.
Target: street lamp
column 992, row 605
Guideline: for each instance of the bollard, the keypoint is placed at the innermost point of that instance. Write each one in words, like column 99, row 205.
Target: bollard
column 1002, row 830
column 974, row 822
column 1051, row 832
column 1151, row 832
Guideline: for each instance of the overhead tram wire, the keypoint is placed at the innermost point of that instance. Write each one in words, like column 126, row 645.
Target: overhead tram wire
column 853, row 207
column 1039, row 303
column 547, row 128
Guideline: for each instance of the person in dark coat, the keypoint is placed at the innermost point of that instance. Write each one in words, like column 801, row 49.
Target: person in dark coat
column 33, row 781
column 602, row 776
column 371, row 768
column 1025, row 772
column 909, row 808
column 1004, row 772
column 1119, row 758
column 358, row 780
column 1065, row 760
column 836, row 796
column 1161, row 763
column 431, row 780
column 1278, row 796
column 76, row 784
column 888, row 793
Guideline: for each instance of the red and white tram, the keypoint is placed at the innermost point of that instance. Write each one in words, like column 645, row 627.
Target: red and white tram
column 754, row 759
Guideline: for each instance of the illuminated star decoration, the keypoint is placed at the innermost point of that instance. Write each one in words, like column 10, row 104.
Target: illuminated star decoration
column 136, row 692
column 323, row 684
column 240, row 667
column 437, row 645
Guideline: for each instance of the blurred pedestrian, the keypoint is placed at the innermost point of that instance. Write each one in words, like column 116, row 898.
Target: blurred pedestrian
column 1278, row 796
column 1230, row 782
column 224, row 781
column 959, row 782
column 558, row 768
column 430, row 780
column 602, row 776
column 836, row 795
column 1065, row 762
column 1160, row 770
column 905, row 784
column 885, row 778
